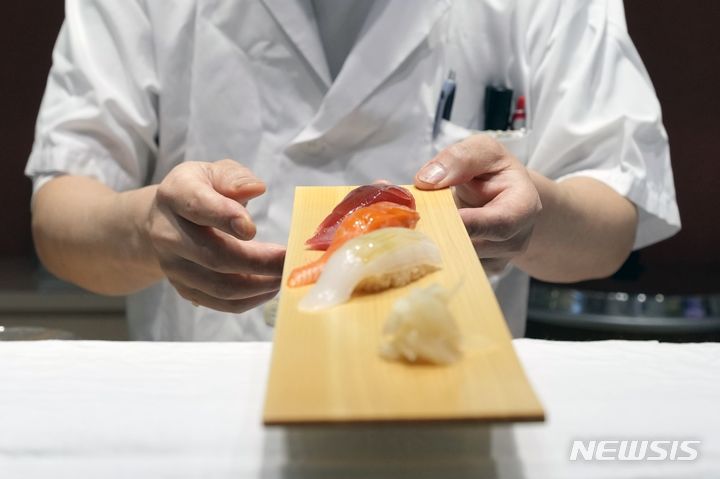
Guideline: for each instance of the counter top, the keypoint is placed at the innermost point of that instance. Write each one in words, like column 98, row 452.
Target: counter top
column 111, row 409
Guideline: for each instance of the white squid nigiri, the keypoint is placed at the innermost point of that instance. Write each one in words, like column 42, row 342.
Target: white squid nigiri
column 386, row 258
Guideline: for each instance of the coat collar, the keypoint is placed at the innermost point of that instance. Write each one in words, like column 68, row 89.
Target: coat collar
column 297, row 19
column 394, row 32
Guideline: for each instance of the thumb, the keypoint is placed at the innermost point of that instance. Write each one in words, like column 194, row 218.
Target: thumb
column 459, row 163
column 233, row 180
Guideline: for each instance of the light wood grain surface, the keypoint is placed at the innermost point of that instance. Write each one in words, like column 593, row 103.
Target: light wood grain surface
column 326, row 367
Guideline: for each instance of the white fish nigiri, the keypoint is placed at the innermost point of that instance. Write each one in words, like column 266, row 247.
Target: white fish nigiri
column 421, row 328
column 386, row 258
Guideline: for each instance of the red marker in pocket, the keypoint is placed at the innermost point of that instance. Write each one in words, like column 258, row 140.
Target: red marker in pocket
column 518, row 117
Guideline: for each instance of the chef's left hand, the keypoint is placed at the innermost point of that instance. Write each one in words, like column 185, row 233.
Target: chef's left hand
column 496, row 197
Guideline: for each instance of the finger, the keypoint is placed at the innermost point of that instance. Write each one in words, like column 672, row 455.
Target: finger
column 218, row 251
column 459, row 163
column 510, row 211
column 500, row 249
column 479, row 191
column 221, row 285
column 210, row 195
column 490, row 222
column 228, row 306
column 234, row 180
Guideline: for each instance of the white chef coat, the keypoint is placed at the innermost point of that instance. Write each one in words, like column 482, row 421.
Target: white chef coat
column 138, row 87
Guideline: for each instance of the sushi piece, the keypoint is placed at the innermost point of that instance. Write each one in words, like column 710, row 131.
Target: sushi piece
column 421, row 328
column 386, row 258
column 363, row 220
column 357, row 198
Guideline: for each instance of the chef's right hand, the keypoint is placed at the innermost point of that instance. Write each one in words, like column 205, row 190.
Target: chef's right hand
column 201, row 233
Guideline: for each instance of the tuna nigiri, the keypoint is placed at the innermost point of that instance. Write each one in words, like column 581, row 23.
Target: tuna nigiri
column 362, row 220
column 386, row 258
column 357, row 198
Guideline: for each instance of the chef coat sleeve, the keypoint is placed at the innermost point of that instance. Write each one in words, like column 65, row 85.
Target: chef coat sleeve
column 98, row 116
column 594, row 113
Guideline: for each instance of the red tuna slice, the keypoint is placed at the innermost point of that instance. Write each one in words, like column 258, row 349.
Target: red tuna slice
column 357, row 198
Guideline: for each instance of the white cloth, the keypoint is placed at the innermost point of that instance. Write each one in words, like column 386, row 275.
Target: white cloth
column 161, row 410
column 138, row 87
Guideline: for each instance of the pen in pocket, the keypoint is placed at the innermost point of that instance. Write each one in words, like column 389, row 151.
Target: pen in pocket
column 445, row 102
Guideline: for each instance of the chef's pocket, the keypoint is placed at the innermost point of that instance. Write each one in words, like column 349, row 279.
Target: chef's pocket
column 516, row 141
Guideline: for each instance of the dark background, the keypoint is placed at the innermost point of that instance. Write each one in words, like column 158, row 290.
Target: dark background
column 679, row 42
column 26, row 39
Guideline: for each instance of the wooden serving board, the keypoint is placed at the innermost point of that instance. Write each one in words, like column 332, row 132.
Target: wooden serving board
column 326, row 367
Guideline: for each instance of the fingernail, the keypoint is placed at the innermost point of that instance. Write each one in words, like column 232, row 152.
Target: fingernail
column 245, row 229
column 245, row 181
column 432, row 173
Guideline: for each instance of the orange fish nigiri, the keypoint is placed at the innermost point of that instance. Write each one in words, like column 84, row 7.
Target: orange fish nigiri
column 363, row 220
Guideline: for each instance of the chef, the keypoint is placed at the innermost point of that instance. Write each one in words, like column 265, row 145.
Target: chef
column 171, row 136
